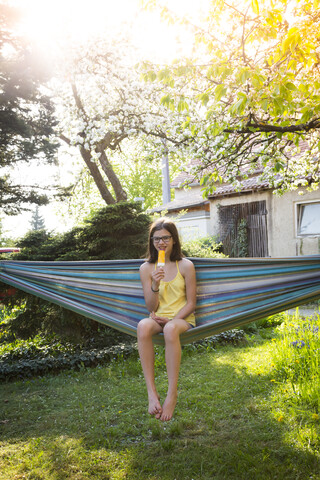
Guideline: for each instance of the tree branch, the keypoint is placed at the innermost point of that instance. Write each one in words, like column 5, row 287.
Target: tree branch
column 64, row 138
column 77, row 99
column 260, row 127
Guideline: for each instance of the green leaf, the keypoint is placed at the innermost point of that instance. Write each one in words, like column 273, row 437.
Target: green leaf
column 204, row 98
column 307, row 114
column 220, row 90
column 237, row 108
column 186, row 124
column 279, row 107
column 291, row 86
column 291, row 41
column 243, row 75
column 258, row 80
column 182, row 105
column 152, row 76
column 255, row 6
column 278, row 166
column 165, row 100
column 204, row 180
column 283, row 92
column 276, row 90
column 211, row 72
column 264, row 104
column 182, row 71
column 164, row 75
column 193, row 129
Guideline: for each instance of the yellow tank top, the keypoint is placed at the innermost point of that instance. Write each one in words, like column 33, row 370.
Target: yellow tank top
column 172, row 297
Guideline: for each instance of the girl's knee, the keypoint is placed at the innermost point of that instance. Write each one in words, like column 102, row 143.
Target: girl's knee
column 171, row 331
column 145, row 328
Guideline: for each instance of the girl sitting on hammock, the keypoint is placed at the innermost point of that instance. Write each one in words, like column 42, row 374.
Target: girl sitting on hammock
column 170, row 296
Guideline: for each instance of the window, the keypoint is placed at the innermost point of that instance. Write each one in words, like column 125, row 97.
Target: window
column 309, row 219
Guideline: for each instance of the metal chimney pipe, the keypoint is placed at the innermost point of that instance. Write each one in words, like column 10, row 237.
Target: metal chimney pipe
column 166, row 194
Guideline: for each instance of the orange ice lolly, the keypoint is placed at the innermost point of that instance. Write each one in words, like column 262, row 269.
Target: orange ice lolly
column 161, row 258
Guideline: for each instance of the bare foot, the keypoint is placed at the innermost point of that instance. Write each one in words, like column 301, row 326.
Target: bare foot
column 154, row 405
column 168, row 407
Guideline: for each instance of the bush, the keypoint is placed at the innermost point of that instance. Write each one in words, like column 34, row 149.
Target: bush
column 114, row 232
column 205, row 247
column 265, row 323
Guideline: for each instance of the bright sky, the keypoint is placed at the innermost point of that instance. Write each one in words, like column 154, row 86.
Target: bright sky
column 53, row 24
column 57, row 22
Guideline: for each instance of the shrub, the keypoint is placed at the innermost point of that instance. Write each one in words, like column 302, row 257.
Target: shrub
column 205, row 247
column 114, row 232
column 265, row 323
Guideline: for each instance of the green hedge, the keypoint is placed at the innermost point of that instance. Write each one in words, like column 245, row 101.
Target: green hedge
column 28, row 366
column 26, row 359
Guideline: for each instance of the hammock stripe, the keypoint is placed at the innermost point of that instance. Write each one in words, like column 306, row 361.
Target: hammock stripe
column 230, row 292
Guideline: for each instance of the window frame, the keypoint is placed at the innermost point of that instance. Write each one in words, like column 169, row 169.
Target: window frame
column 299, row 206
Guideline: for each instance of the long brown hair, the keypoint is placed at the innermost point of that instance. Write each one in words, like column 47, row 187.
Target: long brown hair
column 152, row 254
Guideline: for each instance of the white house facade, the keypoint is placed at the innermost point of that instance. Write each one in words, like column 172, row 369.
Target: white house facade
column 276, row 226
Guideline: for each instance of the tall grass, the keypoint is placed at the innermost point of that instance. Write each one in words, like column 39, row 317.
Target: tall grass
column 296, row 359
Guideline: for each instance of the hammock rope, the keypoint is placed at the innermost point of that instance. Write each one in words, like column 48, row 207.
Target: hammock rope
column 230, row 292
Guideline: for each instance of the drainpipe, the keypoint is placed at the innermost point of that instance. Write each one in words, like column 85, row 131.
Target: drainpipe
column 166, row 194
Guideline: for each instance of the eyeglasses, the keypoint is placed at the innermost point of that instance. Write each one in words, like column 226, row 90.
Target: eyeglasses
column 165, row 239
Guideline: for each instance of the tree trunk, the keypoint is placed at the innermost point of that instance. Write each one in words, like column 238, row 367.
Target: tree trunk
column 97, row 177
column 121, row 195
column 106, row 166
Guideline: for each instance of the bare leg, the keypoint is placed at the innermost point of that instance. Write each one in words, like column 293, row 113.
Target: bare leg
column 146, row 329
column 172, row 331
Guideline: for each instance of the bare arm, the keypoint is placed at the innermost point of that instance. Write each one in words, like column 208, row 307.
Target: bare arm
column 188, row 272
column 150, row 279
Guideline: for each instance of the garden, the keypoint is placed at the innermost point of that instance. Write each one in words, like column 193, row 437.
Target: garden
column 98, row 115
column 73, row 397
column 248, row 408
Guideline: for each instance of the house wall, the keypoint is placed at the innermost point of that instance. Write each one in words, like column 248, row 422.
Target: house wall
column 194, row 225
column 284, row 234
column 185, row 193
column 283, row 239
column 195, row 222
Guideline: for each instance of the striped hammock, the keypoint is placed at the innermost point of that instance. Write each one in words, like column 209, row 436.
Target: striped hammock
column 230, row 292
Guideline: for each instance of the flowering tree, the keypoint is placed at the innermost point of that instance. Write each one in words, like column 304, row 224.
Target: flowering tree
column 141, row 179
column 104, row 105
column 256, row 74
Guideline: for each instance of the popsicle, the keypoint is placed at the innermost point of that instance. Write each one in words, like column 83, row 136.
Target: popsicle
column 161, row 258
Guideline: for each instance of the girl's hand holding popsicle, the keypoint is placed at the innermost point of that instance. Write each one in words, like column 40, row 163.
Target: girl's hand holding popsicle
column 158, row 274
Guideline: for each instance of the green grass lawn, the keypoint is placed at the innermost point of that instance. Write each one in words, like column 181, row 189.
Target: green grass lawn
column 233, row 421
